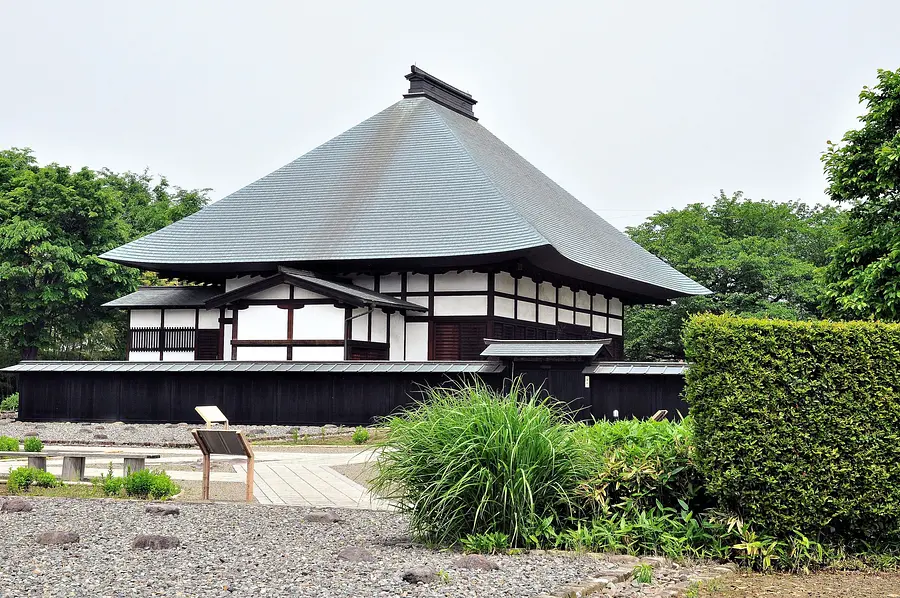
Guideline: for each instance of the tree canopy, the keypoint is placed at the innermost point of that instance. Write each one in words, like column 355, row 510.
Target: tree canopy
column 863, row 170
column 760, row 258
column 54, row 223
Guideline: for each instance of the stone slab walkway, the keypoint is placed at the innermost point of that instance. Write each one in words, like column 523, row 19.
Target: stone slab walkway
column 280, row 478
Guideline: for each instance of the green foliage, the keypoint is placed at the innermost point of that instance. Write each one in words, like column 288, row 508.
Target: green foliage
column 491, row 543
column 10, row 403
column 113, row 486
column 643, row 573
column 798, row 424
column 472, row 461
column 22, row 478
column 760, row 258
column 147, row 484
column 33, row 444
column 360, row 435
column 863, row 170
column 8, row 444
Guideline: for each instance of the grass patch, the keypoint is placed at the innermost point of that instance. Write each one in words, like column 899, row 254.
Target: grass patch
column 65, row 491
column 375, row 435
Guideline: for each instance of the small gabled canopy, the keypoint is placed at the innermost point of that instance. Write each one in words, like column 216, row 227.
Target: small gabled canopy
column 165, row 297
column 637, row 368
column 543, row 349
column 344, row 292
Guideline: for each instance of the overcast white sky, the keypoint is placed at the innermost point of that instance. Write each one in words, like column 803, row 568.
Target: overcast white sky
column 631, row 106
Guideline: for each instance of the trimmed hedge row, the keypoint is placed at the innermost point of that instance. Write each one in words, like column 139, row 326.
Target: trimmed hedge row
column 797, row 424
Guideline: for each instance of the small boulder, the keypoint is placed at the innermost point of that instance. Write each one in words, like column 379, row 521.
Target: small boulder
column 356, row 554
column 57, row 537
column 100, row 437
column 154, row 542
column 257, row 432
column 162, row 510
column 476, row 561
column 321, row 517
column 30, row 433
column 420, row 575
column 16, row 505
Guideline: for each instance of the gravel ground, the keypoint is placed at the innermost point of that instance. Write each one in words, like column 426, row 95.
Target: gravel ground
column 824, row 585
column 145, row 434
column 243, row 550
column 218, row 491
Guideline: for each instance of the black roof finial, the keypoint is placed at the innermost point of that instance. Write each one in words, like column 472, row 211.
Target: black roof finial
column 421, row 84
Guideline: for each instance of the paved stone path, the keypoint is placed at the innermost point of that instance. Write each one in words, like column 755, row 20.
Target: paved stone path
column 281, row 478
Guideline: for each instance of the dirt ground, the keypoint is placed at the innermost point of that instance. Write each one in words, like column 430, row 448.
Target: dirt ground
column 830, row 585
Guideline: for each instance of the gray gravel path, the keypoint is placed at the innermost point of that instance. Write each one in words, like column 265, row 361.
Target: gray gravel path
column 118, row 433
column 253, row 550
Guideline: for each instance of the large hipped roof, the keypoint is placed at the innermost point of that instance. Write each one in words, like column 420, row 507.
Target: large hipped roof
column 417, row 180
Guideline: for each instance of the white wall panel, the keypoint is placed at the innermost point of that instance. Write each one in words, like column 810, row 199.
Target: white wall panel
column 615, row 307
column 319, row 322
column 504, row 283
column 366, row 282
column 615, row 326
column 391, row 283
column 566, row 316
column 360, row 325
column 145, row 318
column 582, row 319
column 527, row 288
column 423, row 301
column 505, row 308
column 209, row 318
column 300, row 293
column 262, row 322
column 180, row 318
column 398, row 336
column 598, row 323
column 461, row 281
column 463, row 305
column 262, row 353
column 583, row 300
column 143, row 356
column 416, row 341
column 600, row 304
column 279, row 291
column 546, row 314
column 226, row 346
column 547, row 292
column 317, row 354
column 240, row 281
column 177, row 356
column 526, row 311
column 417, row 283
column 379, row 326
column 566, row 296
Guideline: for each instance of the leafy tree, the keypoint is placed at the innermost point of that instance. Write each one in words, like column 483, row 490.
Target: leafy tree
column 863, row 170
column 760, row 259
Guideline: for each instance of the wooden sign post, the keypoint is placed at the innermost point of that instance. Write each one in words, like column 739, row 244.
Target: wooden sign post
column 224, row 442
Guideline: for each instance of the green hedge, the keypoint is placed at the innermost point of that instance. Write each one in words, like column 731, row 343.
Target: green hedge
column 798, row 423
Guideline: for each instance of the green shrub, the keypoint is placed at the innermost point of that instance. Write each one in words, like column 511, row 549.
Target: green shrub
column 113, row 486
column 472, row 461
column 33, row 444
column 486, row 543
column 10, row 403
column 643, row 573
column 22, row 478
column 145, row 484
column 360, row 435
column 8, row 444
column 797, row 424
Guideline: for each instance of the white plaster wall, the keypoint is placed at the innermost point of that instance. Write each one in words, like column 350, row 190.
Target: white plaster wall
column 314, row 322
column 566, row 296
column 462, row 305
column 318, row 354
column 360, row 325
column 280, row 291
column 143, row 356
column 615, row 307
column 366, row 282
column 582, row 319
column 503, row 307
column 209, row 318
column 398, row 337
column 379, row 326
column 504, row 283
column 416, row 341
column 598, row 323
column 615, row 326
column 583, row 300
column 391, row 283
column 261, row 353
column 566, row 316
column 547, row 292
column 262, row 322
column 417, row 283
column 527, row 288
column 461, row 281
column 526, row 311
column 600, row 304
column 240, row 281
column 177, row 356
column 180, row 318
column 226, row 346
column 423, row 301
column 145, row 318
column 546, row 314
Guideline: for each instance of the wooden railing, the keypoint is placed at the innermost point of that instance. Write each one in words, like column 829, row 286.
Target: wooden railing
column 163, row 339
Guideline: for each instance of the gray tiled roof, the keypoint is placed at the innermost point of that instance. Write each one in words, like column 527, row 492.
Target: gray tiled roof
column 544, row 348
column 416, row 180
column 661, row 368
column 166, row 297
column 333, row 367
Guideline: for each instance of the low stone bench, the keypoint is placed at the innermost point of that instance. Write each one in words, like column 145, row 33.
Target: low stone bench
column 74, row 463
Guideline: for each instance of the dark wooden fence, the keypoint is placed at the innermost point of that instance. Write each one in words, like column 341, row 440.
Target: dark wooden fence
column 312, row 398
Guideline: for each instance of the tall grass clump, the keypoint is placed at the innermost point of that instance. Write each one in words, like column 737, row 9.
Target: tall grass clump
column 469, row 460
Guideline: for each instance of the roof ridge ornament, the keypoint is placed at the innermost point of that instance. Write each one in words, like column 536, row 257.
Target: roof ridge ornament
column 422, row 84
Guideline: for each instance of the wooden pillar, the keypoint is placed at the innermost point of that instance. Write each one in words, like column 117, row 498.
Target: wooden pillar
column 250, row 464
column 205, row 492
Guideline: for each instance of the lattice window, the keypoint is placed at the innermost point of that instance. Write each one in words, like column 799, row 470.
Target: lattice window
column 162, row 339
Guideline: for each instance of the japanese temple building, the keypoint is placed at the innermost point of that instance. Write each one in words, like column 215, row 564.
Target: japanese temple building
column 413, row 236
